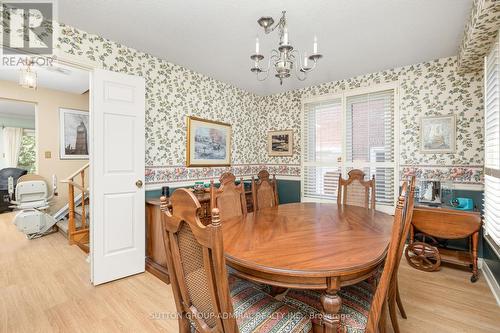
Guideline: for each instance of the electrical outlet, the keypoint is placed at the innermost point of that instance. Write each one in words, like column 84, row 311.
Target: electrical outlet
column 48, row 154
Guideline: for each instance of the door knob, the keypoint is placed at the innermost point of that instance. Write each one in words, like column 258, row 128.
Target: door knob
column 138, row 183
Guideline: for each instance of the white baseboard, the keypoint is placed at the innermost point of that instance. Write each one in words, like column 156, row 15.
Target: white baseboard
column 492, row 282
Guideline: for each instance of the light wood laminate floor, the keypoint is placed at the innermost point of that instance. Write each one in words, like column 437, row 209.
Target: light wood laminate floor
column 44, row 287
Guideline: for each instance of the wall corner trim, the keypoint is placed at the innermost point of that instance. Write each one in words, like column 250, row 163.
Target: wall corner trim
column 492, row 282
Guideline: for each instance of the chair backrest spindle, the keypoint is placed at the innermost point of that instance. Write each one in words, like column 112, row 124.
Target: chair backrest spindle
column 229, row 198
column 356, row 191
column 264, row 191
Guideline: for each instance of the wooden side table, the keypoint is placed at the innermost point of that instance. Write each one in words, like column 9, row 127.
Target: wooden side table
column 449, row 224
column 156, row 255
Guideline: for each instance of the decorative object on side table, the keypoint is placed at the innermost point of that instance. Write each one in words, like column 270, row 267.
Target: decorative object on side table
column 208, row 143
column 199, row 187
column 73, row 134
column 437, row 134
column 280, row 143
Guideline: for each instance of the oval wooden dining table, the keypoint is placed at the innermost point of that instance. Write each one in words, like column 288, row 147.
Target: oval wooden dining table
column 308, row 246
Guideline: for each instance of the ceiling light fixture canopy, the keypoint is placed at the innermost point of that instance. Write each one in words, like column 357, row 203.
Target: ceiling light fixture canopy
column 285, row 58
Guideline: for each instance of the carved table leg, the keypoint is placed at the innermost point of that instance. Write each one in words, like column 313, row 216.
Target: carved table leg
column 331, row 303
column 412, row 234
column 475, row 238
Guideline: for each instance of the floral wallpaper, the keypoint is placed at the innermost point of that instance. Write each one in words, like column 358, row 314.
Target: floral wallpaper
column 173, row 92
column 426, row 89
column 479, row 33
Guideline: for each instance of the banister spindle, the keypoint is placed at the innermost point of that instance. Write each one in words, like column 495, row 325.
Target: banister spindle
column 84, row 220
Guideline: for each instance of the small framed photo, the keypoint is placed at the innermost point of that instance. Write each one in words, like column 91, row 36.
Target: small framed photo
column 208, row 143
column 280, row 143
column 437, row 134
column 73, row 134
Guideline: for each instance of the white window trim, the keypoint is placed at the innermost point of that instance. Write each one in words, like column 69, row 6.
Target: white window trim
column 343, row 96
column 490, row 171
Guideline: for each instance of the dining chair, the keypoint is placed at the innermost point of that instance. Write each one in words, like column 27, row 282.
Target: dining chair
column 264, row 191
column 229, row 198
column 207, row 299
column 394, row 295
column 356, row 191
column 363, row 306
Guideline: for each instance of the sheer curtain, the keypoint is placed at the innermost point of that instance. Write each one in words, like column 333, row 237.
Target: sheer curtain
column 12, row 145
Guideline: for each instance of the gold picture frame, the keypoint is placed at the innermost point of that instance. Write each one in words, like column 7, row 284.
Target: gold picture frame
column 280, row 143
column 208, row 143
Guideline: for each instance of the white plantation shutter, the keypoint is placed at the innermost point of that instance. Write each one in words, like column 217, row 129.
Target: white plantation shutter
column 370, row 140
column 492, row 145
column 322, row 148
column 350, row 131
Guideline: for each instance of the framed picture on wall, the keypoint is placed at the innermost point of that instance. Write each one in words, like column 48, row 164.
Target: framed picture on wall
column 73, row 134
column 437, row 134
column 208, row 143
column 280, row 143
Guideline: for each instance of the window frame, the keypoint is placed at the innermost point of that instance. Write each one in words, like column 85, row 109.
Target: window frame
column 491, row 171
column 343, row 164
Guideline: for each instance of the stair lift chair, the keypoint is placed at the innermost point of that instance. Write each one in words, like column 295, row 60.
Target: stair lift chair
column 32, row 200
column 5, row 174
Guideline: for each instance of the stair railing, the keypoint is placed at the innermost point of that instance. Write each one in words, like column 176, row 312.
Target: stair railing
column 81, row 235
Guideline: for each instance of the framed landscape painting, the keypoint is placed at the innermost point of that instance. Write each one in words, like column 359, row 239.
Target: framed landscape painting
column 280, row 143
column 73, row 134
column 208, row 143
column 437, row 134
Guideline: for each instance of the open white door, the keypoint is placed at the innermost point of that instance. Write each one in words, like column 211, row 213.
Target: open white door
column 117, row 238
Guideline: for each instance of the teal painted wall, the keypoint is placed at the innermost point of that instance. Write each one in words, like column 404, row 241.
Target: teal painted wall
column 288, row 191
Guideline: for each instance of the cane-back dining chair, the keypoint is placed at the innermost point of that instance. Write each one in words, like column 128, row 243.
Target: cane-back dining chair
column 206, row 298
column 363, row 307
column 356, row 191
column 394, row 296
column 229, row 198
column 264, row 191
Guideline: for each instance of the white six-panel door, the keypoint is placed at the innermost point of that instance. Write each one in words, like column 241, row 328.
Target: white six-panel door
column 117, row 240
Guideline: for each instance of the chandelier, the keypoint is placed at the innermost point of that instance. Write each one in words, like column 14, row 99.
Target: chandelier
column 28, row 77
column 285, row 59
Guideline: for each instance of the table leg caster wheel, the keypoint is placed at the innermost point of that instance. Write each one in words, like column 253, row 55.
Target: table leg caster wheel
column 423, row 256
column 474, row 278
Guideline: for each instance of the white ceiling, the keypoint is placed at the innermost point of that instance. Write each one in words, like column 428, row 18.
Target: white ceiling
column 216, row 37
column 17, row 109
column 57, row 77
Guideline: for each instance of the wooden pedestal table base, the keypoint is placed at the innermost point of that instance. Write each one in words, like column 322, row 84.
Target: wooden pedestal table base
column 309, row 246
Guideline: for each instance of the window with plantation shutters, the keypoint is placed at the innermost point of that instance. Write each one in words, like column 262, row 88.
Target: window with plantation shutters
column 353, row 130
column 492, row 146
column 322, row 149
column 370, row 140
